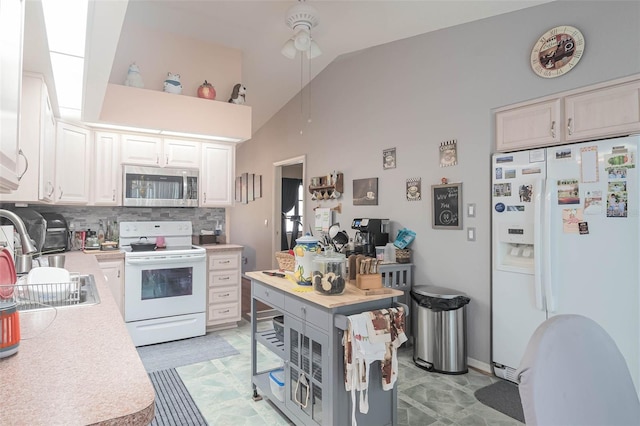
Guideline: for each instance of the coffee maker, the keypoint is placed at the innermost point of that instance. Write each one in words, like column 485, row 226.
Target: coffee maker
column 370, row 233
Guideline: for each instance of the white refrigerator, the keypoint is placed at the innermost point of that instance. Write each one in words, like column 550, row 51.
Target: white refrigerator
column 565, row 240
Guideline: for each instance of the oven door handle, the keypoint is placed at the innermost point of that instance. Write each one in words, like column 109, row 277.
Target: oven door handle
column 165, row 259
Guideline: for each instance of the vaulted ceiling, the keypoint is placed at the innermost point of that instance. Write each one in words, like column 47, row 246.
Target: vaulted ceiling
column 258, row 29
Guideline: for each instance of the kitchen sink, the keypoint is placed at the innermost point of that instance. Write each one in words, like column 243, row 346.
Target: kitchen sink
column 81, row 291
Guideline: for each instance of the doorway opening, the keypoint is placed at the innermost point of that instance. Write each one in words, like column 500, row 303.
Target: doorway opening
column 288, row 203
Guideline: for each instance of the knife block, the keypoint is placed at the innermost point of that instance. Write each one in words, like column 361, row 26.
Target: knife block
column 368, row 281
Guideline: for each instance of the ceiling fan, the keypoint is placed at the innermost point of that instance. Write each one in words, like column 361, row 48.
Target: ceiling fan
column 301, row 18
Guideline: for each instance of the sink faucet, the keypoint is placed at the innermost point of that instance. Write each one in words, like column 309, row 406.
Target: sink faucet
column 27, row 245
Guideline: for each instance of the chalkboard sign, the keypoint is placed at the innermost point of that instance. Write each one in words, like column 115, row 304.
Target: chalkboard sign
column 447, row 205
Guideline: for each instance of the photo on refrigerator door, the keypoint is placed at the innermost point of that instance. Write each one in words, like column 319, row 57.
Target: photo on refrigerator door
column 570, row 220
column 568, row 191
column 502, row 190
column 593, row 202
column 617, row 199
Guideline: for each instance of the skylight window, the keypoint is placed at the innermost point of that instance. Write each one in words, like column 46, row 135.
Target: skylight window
column 66, row 23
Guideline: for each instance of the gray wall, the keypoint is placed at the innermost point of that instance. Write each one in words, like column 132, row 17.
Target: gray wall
column 414, row 94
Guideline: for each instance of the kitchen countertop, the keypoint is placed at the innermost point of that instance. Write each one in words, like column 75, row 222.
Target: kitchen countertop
column 351, row 295
column 81, row 369
column 221, row 247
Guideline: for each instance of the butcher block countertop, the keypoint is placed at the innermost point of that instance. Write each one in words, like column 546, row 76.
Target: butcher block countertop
column 81, row 369
column 351, row 296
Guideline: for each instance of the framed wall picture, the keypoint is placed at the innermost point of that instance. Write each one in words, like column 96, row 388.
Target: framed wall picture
column 389, row 159
column 257, row 186
column 365, row 192
column 449, row 153
column 414, row 189
column 245, row 193
column 250, row 196
column 238, row 189
column 446, row 202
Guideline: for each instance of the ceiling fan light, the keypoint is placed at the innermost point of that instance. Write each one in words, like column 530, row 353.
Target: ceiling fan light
column 302, row 39
column 289, row 49
column 314, row 50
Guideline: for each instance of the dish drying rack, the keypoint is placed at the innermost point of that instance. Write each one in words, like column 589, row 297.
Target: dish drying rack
column 41, row 295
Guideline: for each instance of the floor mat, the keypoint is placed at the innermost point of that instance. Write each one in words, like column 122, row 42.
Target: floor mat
column 163, row 356
column 174, row 405
column 502, row 396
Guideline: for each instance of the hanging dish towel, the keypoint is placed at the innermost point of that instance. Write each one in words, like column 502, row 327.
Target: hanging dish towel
column 371, row 336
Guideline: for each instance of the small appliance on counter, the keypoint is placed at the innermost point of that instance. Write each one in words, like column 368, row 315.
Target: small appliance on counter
column 35, row 225
column 199, row 239
column 370, row 233
column 56, row 238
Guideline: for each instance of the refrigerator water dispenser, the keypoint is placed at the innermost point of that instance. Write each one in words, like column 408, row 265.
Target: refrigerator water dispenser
column 515, row 248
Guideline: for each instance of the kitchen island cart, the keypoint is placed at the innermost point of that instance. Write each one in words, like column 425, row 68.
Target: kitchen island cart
column 312, row 353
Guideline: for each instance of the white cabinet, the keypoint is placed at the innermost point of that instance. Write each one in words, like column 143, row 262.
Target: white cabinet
column 73, row 164
column 11, row 30
column 37, row 143
column 600, row 111
column 106, row 171
column 604, row 112
column 144, row 150
column 223, row 295
column 529, row 126
column 216, row 175
column 155, row 151
column 113, row 271
column 181, row 153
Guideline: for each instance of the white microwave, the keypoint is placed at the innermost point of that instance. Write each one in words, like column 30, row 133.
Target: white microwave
column 159, row 187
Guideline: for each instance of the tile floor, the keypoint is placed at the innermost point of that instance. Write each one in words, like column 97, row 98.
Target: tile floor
column 222, row 390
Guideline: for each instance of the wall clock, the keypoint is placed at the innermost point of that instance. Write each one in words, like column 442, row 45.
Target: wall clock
column 557, row 51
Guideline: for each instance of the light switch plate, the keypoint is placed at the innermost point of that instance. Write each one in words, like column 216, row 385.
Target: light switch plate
column 471, row 210
column 471, row 234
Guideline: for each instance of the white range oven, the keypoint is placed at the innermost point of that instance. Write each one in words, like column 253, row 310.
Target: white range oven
column 164, row 287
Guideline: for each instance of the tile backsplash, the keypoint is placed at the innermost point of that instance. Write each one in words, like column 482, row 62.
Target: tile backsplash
column 88, row 217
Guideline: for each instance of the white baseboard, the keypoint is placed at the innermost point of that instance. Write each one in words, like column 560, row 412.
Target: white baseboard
column 479, row 365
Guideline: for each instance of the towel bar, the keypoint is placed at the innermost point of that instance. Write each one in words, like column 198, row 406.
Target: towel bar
column 340, row 321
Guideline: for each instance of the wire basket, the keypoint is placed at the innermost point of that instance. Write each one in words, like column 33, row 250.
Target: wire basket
column 286, row 261
column 38, row 296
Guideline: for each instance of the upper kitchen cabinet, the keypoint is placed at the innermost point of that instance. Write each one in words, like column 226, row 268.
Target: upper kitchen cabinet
column 602, row 110
column 529, row 126
column 144, row 150
column 216, row 175
column 155, row 151
column 611, row 111
column 37, row 143
column 73, row 164
column 182, row 153
column 11, row 34
column 106, row 173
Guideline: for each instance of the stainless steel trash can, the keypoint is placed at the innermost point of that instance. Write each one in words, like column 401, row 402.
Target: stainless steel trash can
column 439, row 329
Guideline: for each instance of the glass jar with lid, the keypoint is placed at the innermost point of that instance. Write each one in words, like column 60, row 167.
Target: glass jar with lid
column 329, row 276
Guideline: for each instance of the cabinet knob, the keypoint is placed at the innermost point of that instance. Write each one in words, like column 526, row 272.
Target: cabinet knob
column 553, row 129
column 113, row 195
column 61, row 192
column 570, row 126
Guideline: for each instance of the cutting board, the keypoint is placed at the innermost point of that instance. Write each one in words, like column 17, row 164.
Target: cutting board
column 370, row 292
